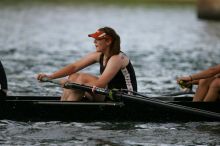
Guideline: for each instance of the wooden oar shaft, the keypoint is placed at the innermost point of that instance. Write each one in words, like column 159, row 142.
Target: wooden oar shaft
column 148, row 100
column 86, row 88
column 182, row 108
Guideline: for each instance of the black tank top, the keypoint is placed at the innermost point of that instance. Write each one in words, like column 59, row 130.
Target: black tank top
column 124, row 79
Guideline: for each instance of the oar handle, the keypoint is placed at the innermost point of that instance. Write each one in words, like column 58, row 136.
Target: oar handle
column 185, row 84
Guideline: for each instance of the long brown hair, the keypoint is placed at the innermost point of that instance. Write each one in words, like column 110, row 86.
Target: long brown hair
column 115, row 46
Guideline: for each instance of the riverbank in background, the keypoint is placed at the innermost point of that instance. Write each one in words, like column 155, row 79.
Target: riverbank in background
column 111, row 2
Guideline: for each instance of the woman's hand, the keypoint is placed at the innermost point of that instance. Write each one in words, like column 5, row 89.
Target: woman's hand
column 184, row 79
column 185, row 82
column 42, row 75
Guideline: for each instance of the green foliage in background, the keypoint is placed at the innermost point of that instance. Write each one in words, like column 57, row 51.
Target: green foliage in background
column 103, row 2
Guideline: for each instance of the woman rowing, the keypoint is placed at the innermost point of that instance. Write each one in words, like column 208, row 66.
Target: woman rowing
column 115, row 68
column 208, row 84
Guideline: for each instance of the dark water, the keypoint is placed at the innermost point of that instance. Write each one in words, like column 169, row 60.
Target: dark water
column 162, row 42
column 60, row 133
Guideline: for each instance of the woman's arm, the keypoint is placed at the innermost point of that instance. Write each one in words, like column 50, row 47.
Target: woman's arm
column 114, row 64
column 210, row 72
column 74, row 67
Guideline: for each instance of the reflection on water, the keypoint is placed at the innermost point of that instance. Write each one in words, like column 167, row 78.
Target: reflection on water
column 108, row 133
column 162, row 42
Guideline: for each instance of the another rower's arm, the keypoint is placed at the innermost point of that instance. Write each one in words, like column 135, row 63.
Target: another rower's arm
column 206, row 73
column 194, row 78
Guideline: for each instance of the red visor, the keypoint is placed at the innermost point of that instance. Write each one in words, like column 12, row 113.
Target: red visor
column 98, row 35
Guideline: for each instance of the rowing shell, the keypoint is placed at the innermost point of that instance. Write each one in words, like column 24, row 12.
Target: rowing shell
column 50, row 108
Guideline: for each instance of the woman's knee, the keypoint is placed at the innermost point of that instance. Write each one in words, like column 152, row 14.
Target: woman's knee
column 73, row 77
column 202, row 82
column 205, row 82
column 77, row 77
column 215, row 83
column 82, row 78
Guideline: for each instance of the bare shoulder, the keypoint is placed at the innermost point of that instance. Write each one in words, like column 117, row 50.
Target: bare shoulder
column 120, row 58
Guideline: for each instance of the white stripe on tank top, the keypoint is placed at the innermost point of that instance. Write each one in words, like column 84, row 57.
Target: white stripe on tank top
column 127, row 79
